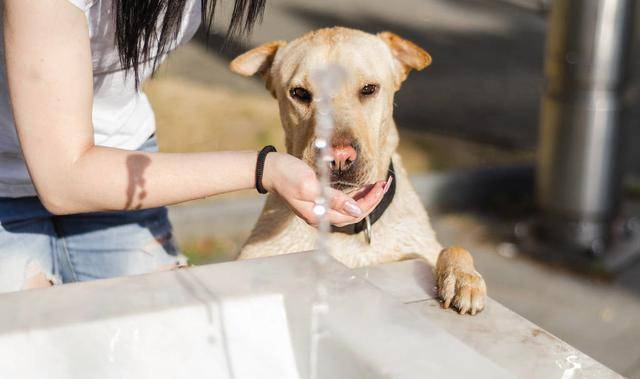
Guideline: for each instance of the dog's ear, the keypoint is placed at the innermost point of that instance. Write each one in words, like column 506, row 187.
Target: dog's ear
column 257, row 60
column 408, row 55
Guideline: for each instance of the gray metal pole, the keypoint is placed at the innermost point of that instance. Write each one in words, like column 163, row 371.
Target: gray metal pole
column 579, row 158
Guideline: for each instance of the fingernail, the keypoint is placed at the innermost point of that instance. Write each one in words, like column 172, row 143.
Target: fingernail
column 353, row 209
column 388, row 185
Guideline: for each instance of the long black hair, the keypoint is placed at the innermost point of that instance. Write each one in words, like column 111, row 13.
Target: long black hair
column 141, row 25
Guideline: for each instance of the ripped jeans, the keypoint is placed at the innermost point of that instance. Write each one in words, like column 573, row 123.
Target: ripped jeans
column 63, row 249
column 81, row 247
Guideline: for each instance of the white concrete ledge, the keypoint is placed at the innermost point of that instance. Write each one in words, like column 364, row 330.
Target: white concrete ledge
column 499, row 334
column 252, row 319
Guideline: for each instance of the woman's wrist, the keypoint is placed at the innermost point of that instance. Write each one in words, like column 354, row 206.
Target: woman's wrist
column 270, row 168
column 260, row 166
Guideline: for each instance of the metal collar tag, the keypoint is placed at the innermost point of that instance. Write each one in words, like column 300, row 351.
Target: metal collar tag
column 368, row 234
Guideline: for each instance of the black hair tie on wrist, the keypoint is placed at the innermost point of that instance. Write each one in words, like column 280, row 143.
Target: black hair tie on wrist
column 262, row 156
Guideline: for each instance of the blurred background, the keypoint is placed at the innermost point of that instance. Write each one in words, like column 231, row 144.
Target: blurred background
column 469, row 128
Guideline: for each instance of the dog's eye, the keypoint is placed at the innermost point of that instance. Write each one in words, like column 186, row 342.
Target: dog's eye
column 301, row 94
column 369, row 90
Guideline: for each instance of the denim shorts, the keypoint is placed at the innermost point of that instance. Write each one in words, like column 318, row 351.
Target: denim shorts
column 81, row 247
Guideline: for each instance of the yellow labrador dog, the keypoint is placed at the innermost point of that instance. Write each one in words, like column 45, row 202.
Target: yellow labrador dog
column 364, row 144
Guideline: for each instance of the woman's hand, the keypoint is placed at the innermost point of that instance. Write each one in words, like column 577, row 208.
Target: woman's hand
column 297, row 184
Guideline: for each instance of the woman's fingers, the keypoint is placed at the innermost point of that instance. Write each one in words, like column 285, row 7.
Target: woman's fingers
column 304, row 210
column 343, row 203
column 344, row 210
column 367, row 202
column 372, row 198
column 361, row 204
column 339, row 219
column 338, row 200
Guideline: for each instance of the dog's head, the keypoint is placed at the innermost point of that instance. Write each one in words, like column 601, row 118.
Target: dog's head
column 365, row 135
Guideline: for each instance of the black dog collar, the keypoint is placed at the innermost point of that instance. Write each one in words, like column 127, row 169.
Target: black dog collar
column 374, row 216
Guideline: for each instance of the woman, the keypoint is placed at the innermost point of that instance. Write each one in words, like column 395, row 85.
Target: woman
column 82, row 188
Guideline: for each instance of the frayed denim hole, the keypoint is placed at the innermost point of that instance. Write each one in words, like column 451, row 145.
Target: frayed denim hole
column 32, row 270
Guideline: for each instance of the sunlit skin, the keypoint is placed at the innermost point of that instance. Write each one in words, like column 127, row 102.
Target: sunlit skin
column 49, row 69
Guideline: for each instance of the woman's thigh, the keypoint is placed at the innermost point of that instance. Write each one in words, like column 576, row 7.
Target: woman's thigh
column 27, row 245
column 110, row 244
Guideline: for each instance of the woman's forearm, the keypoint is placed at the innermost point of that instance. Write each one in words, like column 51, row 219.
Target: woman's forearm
column 113, row 179
column 50, row 77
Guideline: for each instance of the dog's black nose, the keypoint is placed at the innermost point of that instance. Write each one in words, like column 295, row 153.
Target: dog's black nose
column 343, row 157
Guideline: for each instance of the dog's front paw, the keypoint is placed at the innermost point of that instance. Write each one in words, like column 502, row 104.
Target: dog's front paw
column 459, row 283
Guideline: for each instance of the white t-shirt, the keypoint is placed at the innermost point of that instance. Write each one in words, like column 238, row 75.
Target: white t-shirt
column 122, row 115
